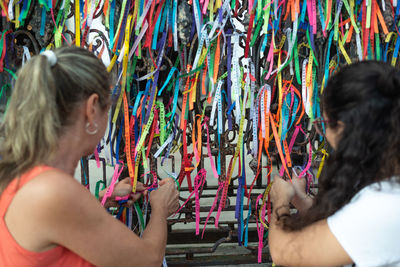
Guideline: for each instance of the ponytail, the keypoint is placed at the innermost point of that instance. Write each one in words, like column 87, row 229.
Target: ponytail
column 42, row 103
column 26, row 132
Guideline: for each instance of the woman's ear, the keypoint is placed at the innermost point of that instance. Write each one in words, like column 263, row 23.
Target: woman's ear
column 92, row 107
column 338, row 131
column 339, row 128
column 333, row 135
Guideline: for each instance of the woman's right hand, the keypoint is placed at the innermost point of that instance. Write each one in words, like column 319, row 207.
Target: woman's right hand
column 301, row 201
column 166, row 198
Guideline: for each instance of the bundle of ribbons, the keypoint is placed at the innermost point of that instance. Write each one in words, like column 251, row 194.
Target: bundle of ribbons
column 202, row 68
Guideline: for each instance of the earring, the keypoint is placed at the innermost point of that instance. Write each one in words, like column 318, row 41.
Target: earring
column 91, row 132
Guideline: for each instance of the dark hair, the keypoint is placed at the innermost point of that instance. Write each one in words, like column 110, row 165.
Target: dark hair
column 365, row 96
column 43, row 103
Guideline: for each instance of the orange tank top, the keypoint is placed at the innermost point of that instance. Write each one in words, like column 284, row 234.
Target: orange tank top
column 12, row 254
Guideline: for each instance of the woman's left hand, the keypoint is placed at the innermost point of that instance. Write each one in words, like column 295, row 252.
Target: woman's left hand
column 122, row 189
column 282, row 191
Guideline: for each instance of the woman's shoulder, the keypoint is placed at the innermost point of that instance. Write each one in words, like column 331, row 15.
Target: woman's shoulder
column 37, row 204
column 371, row 218
column 46, row 196
column 47, row 190
column 53, row 176
column 386, row 188
column 49, row 184
column 371, row 204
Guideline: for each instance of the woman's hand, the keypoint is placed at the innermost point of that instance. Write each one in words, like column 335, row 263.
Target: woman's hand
column 285, row 192
column 123, row 189
column 301, row 201
column 165, row 198
column 282, row 191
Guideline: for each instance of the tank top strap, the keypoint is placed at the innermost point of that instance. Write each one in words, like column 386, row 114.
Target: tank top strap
column 9, row 192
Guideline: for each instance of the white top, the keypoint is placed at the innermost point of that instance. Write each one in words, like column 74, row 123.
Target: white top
column 368, row 228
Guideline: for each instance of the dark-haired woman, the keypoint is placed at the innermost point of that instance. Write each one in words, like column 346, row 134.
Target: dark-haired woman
column 355, row 217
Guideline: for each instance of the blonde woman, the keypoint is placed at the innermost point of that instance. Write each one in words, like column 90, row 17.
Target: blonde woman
column 57, row 114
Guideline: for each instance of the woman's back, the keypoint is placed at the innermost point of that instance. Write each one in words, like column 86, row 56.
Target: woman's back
column 11, row 252
column 57, row 114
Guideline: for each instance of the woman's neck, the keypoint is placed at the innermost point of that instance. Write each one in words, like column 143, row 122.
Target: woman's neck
column 69, row 152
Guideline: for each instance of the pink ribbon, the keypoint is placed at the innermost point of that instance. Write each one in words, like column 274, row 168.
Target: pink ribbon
column 212, row 207
column 96, row 156
column 260, row 230
column 214, row 170
column 114, row 179
column 199, row 181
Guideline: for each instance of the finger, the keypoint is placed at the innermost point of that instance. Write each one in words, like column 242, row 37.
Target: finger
column 176, row 207
column 300, row 179
column 121, row 190
column 278, row 179
column 129, row 203
column 136, row 196
column 111, row 203
column 126, row 180
column 140, row 186
column 166, row 180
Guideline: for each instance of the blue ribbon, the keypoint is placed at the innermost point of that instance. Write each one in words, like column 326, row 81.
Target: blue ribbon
column 171, row 72
column 327, row 58
column 157, row 28
column 295, row 104
column 43, row 21
column 23, row 10
column 396, row 48
column 123, row 25
column 228, row 80
column 112, row 12
column 137, row 101
column 246, row 235
column 231, row 108
column 118, row 141
column 321, row 14
column 303, row 11
column 176, row 92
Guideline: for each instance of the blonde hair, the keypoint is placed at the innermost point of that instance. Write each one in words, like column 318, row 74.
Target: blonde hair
column 42, row 104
